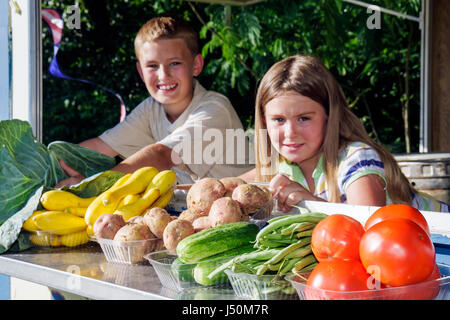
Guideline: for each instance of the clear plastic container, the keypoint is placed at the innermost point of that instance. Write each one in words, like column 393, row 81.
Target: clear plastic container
column 438, row 289
column 129, row 252
column 265, row 287
column 178, row 277
column 58, row 238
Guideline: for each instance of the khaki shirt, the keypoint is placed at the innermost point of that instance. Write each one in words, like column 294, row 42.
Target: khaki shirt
column 208, row 136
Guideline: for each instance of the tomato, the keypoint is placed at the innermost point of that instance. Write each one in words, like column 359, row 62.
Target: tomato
column 399, row 251
column 426, row 290
column 337, row 236
column 397, row 211
column 336, row 275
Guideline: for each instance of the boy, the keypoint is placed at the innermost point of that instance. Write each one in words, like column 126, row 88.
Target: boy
column 163, row 130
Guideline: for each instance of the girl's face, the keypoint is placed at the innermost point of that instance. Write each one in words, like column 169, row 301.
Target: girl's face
column 167, row 68
column 296, row 126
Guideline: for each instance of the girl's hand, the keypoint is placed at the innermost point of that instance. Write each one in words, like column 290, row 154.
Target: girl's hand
column 288, row 192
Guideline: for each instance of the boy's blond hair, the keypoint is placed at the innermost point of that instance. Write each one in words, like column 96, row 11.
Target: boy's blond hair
column 309, row 77
column 166, row 28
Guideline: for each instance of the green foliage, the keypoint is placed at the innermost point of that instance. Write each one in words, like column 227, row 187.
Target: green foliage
column 238, row 48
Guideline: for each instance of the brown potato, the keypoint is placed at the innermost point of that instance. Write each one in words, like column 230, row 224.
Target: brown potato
column 225, row 210
column 203, row 193
column 230, row 183
column 190, row 215
column 107, row 225
column 201, row 223
column 250, row 197
column 157, row 219
column 126, row 247
column 175, row 231
column 136, row 219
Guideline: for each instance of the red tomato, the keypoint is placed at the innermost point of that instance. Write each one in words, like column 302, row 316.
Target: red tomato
column 336, row 275
column 426, row 290
column 397, row 211
column 337, row 236
column 400, row 251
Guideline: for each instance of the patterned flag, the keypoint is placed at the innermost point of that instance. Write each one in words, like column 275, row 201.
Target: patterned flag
column 56, row 25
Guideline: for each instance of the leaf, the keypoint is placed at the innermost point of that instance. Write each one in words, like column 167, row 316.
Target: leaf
column 10, row 229
column 27, row 168
column 86, row 161
column 94, row 185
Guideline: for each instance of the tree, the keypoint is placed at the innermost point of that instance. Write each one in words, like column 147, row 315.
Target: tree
column 379, row 69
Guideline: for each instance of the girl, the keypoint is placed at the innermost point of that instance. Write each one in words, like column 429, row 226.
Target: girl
column 317, row 149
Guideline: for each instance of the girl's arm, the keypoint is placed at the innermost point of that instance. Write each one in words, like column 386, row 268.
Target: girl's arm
column 249, row 176
column 289, row 193
column 369, row 190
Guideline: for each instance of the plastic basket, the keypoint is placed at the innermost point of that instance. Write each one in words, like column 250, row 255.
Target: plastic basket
column 182, row 277
column 129, row 252
column 438, row 289
column 265, row 287
column 58, row 238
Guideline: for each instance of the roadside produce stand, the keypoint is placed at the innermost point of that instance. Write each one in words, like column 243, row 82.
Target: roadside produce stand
column 85, row 271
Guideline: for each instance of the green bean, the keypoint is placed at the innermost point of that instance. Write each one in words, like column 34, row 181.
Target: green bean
column 275, row 236
column 310, row 266
column 300, row 252
column 296, row 227
column 290, row 263
column 288, row 220
column 309, row 259
column 261, row 270
column 283, row 252
column 306, row 233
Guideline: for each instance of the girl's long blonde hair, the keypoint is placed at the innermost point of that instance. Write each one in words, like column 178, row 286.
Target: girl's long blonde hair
column 307, row 76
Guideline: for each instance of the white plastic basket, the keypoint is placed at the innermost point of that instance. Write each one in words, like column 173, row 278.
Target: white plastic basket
column 129, row 252
column 265, row 287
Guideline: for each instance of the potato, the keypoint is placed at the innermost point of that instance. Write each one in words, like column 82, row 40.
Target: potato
column 127, row 249
column 225, row 210
column 203, row 193
column 136, row 219
column 107, row 225
column 250, row 197
column 175, row 231
column 157, row 219
column 190, row 215
column 201, row 223
column 230, row 183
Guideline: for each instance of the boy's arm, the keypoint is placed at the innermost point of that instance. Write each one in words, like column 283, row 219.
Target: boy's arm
column 100, row 146
column 154, row 155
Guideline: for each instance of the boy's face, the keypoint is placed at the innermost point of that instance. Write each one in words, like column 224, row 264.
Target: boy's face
column 167, row 68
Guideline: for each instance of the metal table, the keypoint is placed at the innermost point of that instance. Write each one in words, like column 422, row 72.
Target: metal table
column 84, row 271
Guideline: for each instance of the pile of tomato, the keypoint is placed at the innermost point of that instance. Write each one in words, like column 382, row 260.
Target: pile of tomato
column 392, row 249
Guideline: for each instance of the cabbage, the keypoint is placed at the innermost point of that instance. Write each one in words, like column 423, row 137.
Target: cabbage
column 28, row 168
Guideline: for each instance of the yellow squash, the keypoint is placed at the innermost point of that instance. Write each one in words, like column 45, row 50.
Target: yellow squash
column 74, row 239
column 164, row 199
column 138, row 207
column 29, row 224
column 128, row 199
column 79, row 212
column 45, row 240
column 58, row 200
column 137, row 183
column 97, row 208
column 59, row 222
column 163, row 181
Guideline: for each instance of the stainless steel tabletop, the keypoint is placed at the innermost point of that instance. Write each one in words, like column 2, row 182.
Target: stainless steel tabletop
column 84, row 271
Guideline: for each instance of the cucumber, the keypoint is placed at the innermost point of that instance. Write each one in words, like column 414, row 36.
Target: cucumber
column 213, row 241
column 204, row 268
column 183, row 271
